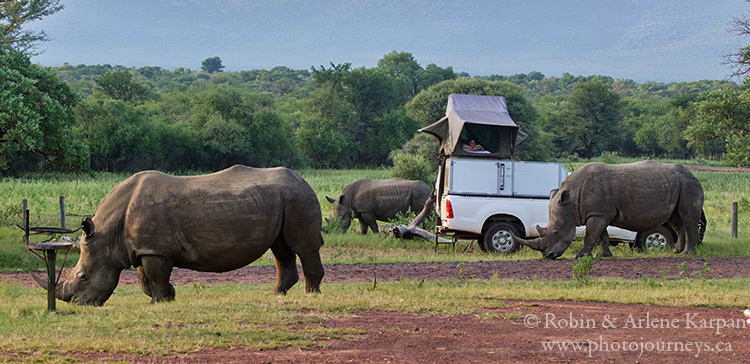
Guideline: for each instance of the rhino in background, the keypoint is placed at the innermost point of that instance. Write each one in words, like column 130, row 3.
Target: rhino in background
column 637, row 196
column 372, row 200
column 212, row 223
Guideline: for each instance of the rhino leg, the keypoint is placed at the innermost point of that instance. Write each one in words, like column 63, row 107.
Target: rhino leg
column 681, row 235
column 144, row 282
column 367, row 220
column 153, row 275
column 687, row 238
column 691, row 239
column 595, row 226
column 312, row 268
column 286, row 267
column 604, row 238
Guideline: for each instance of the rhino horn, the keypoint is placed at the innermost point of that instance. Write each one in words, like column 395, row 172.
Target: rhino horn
column 42, row 283
column 541, row 230
column 330, row 199
column 533, row 243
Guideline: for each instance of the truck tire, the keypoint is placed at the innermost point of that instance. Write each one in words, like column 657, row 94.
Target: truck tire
column 498, row 239
column 659, row 238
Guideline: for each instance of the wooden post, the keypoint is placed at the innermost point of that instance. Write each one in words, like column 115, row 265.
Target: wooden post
column 51, row 257
column 735, row 213
column 62, row 212
column 25, row 222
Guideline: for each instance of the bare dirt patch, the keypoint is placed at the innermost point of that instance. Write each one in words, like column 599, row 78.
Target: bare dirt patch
column 657, row 268
column 531, row 331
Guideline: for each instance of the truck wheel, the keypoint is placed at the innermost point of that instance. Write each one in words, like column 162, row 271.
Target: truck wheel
column 498, row 238
column 659, row 238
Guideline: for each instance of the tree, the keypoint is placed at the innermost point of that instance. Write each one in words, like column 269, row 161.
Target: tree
column 402, row 66
column 739, row 26
column 322, row 142
column 211, row 65
column 119, row 135
column 590, row 119
column 386, row 134
column 432, row 74
column 119, row 85
column 15, row 14
column 724, row 115
column 36, row 116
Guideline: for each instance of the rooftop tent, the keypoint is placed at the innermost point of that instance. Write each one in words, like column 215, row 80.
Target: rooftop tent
column 484, row 119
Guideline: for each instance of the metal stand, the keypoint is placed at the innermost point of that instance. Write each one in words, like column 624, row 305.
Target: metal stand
column 452, row 242
column 48, row 251
column 454, row 237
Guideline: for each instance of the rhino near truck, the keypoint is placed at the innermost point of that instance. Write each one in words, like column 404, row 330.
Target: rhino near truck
column 636, row 196
column 372, row 200
column 484, row 195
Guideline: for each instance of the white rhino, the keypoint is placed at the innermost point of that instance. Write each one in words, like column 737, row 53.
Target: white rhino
column 212, row 223
column 637, row 196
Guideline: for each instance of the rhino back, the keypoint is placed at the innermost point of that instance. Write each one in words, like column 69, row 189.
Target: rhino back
column 385, row 198
column 215, row 222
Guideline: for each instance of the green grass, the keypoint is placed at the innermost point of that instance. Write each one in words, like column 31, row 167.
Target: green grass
column 229, row 316
column 83, row 194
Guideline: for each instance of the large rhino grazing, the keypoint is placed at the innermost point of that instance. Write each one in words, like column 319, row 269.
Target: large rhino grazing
column 372, row 200
column 212, row 223
column 637, row 196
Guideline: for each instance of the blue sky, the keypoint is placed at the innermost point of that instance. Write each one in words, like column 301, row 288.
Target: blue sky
column 663, row 41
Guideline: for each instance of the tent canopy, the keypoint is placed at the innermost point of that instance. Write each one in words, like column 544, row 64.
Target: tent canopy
column 484, row 119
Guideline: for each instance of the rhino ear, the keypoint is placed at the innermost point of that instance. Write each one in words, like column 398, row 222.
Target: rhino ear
column 564, row 197
column 553, row 193
column 330, row 199
column 88, row 226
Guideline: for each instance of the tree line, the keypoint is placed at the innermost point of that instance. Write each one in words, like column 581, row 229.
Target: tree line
column 333, row 116
column 114, row 118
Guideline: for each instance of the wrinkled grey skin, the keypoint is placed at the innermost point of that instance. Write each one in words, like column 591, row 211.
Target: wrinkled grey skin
column 637, row 196
column 212, row 223
column 372, row 200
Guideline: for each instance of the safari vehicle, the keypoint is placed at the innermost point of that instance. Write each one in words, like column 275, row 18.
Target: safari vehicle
column 482, row 194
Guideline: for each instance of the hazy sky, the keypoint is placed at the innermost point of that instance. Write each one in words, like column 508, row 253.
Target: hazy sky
column 665, row 41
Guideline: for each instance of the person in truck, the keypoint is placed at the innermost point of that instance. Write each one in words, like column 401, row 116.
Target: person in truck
column 472, row 146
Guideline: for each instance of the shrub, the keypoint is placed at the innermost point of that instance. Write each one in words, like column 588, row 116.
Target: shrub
column 582, row 267
column 411, row 166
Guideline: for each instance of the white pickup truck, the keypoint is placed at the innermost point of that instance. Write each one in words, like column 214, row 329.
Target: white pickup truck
column 482, row 194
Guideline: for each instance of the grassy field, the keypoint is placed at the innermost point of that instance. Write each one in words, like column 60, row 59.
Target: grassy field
column 199, row 319
column 83, row 193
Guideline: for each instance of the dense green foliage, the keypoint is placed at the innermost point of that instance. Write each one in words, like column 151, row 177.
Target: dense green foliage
column 36, row 117
column 342, row 117
column 724, row 115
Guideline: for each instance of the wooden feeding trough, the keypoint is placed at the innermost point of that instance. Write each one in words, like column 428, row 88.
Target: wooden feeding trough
column 47, row 251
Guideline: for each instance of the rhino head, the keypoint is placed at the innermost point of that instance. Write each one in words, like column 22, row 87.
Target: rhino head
column 561, row 229
column 342, row 210
column 97, row 273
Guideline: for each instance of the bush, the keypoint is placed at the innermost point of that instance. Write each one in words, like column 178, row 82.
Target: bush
column 582, row 267
column 411, row 166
